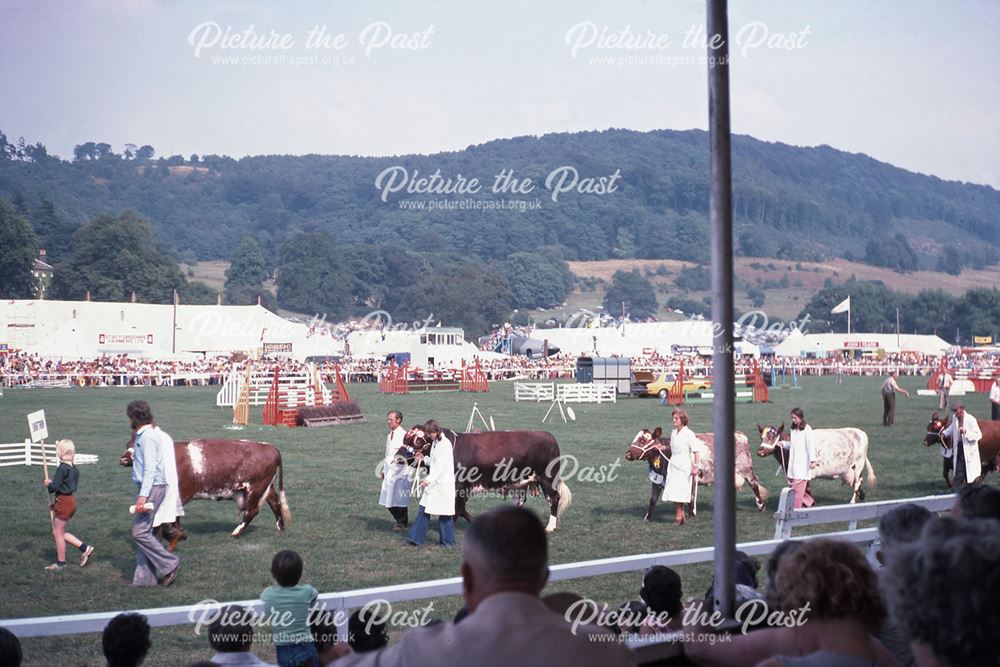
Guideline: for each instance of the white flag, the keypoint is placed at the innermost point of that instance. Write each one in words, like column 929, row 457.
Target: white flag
column 842, row 307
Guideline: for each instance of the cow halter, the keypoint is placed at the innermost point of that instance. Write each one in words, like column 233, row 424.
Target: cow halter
column 643, row 450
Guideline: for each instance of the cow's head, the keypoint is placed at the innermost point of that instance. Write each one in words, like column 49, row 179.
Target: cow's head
column 770, row 438
column 934, row 427
column 126, row 458
column 644, row 445
column 415, row 441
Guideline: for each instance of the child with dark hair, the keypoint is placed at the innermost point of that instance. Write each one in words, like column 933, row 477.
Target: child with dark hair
column 365, row 634
column 288, row 603
column 125, row 640
column 10, row 649
column 662, row 593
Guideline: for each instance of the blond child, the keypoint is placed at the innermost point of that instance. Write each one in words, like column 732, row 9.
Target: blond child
column 64, row 484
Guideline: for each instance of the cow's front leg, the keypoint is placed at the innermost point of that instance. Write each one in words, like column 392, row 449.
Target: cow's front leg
column 460, row 510
column 654, row 496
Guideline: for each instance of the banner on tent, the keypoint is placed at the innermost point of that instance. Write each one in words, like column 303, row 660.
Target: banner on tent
column 124, row 339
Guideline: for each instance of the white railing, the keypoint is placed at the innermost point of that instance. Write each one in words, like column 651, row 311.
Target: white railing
column 587, row 393
column 28, row 453
column 348, row 600
column 534, row 391
column 787, row 518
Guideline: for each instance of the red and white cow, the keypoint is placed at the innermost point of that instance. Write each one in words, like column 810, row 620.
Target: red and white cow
column 842, row 454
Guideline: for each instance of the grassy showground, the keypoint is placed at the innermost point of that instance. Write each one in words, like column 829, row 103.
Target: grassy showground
column 343, row 535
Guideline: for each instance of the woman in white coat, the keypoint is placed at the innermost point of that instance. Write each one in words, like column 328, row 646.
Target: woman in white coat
column 396, row 480
column 801, row 459
column 683, row 468
column 439, row 490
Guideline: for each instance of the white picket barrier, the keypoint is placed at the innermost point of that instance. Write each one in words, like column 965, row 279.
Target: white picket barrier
column 70, row 624
column 260, row 384
column 787, row 518
column 28, row 453
column 534, row 391
column 587, row 393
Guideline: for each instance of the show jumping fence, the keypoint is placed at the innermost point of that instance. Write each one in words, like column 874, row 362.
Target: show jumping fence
column 345, row 601
column 29, row 453
column 534, row 391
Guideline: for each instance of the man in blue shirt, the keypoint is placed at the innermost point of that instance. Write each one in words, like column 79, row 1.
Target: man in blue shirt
column 149, row 475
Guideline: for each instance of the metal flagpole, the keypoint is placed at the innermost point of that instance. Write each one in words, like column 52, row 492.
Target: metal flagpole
column 720, row 216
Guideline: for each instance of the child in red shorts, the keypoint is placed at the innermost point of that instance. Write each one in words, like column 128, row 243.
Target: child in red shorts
column 64, row 484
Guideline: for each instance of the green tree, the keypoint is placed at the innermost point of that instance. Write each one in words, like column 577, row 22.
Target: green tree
column 635, row 290
column 873, row 307
column 756, row 297
column 893, row 252
column 537, row 281
column 247, row 267
column 312, row 277
column 457, row 293
column 950, row 260
column 624, row 244
column 54, row 233
column 114, row 257
column 18, row 249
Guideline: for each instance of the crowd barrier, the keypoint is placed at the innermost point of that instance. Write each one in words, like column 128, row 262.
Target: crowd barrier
column 346, row 601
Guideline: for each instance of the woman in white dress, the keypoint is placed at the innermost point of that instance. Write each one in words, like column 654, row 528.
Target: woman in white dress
column 801, row 459
column 683, row 467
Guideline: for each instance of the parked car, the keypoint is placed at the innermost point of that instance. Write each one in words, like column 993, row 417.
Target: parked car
column 664, row 381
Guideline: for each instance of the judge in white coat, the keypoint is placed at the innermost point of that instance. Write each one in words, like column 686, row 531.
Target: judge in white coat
column 171, row 508
column 438, row 490
column 683, row 468
column 962, row 437
column 396, row 478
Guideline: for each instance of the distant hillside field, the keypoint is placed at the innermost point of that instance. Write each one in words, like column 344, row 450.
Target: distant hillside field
column 814, row 204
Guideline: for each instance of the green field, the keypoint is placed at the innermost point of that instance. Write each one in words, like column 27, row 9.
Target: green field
column 338, row 527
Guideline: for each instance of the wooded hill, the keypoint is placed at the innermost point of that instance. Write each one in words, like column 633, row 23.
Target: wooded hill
column 790, row 203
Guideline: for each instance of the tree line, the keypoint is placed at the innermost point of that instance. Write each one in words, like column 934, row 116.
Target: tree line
column 789, row 202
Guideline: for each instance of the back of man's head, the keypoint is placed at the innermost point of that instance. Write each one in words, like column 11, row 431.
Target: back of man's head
column 125, row 640
column 505, row 550
column 902, row 524
column 978, row 501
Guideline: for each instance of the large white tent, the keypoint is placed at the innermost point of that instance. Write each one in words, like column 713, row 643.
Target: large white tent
column 88, row 329
column 630, row 340
column 799, row 344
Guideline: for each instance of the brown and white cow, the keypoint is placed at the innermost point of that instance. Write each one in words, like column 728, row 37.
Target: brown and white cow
column 655, row 450
column 240, row 470
column 842, row 454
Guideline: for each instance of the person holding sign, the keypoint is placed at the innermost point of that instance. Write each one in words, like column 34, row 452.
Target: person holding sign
column 64, row 484
column 149, row 472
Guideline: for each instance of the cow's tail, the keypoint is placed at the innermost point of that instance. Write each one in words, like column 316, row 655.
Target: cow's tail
column 565, row 497
column 871, row 473
column 286, row 512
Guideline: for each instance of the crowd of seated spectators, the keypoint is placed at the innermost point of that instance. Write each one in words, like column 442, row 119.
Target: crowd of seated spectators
column 20, row 368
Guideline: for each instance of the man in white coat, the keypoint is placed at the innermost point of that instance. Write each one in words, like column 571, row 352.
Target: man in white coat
column 504, row 569
column 995, row 399
column 962, row 437
column 396, row 478
column 438, row 490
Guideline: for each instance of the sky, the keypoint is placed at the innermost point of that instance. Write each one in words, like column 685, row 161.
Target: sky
column 912, row 83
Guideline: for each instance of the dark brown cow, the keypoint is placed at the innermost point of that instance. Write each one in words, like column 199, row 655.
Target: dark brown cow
column 655, row 450
column 989, row 445
column 508, row 461
column 240, row 470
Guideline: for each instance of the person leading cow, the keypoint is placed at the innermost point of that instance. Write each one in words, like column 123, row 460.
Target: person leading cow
column 683, row 467
column 150, row 476
column 439, row 490
column 962, row 439
column 396, row 481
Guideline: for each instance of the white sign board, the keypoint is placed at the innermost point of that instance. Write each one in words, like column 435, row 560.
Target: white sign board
column 37, row 426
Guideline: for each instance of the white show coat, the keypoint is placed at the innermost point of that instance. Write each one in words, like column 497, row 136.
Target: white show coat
column 439, row 496
column 171, row 507
column 970, row 444
column 683, row 445
column 801, row 452
column 397, row 480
